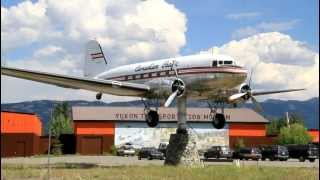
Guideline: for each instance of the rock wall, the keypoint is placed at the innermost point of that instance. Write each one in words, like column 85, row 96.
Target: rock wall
column 182, row 150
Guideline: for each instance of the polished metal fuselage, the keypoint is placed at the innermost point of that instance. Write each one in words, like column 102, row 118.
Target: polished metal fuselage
column 202, row 79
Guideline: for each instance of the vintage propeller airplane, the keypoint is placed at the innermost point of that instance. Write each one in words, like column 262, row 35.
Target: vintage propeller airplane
column 214, row 78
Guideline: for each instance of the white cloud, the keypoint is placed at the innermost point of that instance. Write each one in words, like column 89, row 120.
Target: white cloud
column 50, row 50
column 264, row 27
column 243, row 15
column 129, row 31
column 281, row 63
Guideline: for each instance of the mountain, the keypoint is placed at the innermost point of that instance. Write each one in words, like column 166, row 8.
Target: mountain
column 308, row 109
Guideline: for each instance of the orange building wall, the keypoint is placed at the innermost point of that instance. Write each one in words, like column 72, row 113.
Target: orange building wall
column 20, row 123
column 94, row 128
column 247, row 129
column 315, row 135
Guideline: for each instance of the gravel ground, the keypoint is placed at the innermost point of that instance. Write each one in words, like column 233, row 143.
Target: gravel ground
column 133, row 161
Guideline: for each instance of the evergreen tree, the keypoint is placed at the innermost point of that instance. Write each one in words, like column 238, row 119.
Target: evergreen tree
column 60, row 124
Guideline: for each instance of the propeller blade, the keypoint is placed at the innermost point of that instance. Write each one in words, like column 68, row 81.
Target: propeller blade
column 257, row 105
column 171, row 98
column 236, row 96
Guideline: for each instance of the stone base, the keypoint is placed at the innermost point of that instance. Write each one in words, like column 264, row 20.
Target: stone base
column 182, row 150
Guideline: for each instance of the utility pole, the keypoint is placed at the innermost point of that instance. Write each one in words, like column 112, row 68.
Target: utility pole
column 288, row 120
column 49, row 141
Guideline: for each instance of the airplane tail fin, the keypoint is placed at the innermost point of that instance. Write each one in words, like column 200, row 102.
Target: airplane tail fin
column 95, row 61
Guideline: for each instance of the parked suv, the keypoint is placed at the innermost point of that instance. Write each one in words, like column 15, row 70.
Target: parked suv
column 218, row 152
column 274, row 152
column 150, row 153
column 163, row 148
column 247, row 153
column 303, row 152
column 126, row 150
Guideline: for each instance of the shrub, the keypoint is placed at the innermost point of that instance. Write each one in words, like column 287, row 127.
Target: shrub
column 113, row 150
column 239, row 144
column 295, row 134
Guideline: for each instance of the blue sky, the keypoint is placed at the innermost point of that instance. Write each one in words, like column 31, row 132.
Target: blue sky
column 208, row 25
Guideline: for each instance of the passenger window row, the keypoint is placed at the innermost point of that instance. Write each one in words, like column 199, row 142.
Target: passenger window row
column 215, row 63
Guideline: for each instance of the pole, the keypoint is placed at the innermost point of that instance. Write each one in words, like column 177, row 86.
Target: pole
column 182, row 114
column 49, row 142
column 288, row 120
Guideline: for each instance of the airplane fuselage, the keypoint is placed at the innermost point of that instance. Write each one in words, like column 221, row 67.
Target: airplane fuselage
column 206, row 76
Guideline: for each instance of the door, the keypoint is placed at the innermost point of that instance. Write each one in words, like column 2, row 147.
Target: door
column 20, row 149
column 91, row 145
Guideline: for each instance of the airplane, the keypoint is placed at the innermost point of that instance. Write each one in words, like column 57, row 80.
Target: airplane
column 209, row 77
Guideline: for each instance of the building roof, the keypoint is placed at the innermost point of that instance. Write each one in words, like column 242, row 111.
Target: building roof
column 17, row 122
column 17, row 112
column 84, row 113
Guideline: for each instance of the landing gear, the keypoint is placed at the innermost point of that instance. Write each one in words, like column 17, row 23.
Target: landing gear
column 152, row 116
column 218, row 119
column 99, row 96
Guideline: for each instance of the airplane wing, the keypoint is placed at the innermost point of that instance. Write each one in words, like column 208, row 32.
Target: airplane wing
column 251, row 95
column 104, row 86
column 257, row 93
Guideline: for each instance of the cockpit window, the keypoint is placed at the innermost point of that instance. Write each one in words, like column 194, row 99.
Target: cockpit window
column 214, row 63
column 227, row 62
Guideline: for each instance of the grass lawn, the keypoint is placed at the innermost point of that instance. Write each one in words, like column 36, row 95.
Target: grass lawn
column 159, row 172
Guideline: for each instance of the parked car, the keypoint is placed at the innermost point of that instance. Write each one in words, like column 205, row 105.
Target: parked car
column 247, row 153
column 150, row 153
column 274, row 152
column 303, row 152
column 126, row 150
column 218, row 152
column 163, row 148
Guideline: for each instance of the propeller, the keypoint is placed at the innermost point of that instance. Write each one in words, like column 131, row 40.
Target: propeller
column 246, row 93
column 236, row 96
column 257, row 106
column 177, row 89
column 171, row 98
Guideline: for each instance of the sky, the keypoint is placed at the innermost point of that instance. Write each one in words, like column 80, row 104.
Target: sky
column 279, row 38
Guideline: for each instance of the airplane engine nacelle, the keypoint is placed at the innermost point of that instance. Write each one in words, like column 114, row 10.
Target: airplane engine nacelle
column 243, row 89
column 179, row 85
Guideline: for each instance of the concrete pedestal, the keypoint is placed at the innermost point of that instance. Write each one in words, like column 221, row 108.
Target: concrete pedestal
column 182, row 150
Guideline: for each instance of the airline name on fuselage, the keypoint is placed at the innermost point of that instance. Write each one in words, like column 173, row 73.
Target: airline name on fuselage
column 165, row 65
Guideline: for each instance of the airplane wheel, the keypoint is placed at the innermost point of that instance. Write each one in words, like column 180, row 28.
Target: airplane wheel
column 152, row 118
column 219, row 121
column 99, row 96
column 301, row 159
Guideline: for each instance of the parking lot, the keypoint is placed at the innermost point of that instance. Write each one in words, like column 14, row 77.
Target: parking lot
column 133, row 161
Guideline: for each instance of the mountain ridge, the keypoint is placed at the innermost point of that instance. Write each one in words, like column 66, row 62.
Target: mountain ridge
column 272, row 108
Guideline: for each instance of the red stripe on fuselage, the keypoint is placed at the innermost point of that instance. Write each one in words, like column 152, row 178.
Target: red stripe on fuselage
column 184, row 71
column 96, row 57
column 99, row 53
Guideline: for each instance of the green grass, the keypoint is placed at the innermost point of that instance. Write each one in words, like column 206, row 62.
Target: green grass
column 159, row 172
